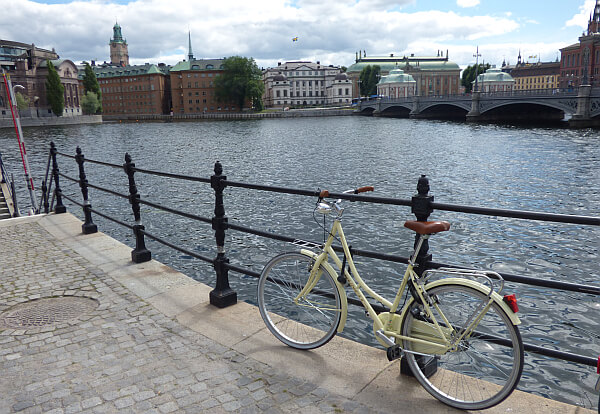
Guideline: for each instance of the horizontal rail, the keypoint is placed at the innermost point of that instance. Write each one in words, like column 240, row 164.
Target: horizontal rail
column 180, row 249
column 171, row 175
column 177, row 212
column 97, row 212
column 528, row 215
column 106, row 164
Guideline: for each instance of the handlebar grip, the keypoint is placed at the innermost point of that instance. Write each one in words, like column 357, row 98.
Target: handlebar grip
column 364, row 189
column 324, row 194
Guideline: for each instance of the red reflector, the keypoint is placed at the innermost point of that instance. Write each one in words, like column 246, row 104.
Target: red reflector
column 598, row 366
column 511, row 301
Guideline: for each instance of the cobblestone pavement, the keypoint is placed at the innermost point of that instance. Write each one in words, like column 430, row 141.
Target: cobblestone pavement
column 123, row 356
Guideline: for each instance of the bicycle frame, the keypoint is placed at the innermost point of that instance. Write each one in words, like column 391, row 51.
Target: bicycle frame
column 444, row 336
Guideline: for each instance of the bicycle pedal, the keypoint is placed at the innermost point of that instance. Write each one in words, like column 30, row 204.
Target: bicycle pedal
column 394, row 352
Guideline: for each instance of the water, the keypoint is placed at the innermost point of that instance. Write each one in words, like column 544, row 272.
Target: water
column 549, row 170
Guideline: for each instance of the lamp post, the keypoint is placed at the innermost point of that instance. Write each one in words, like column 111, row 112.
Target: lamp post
column 476, row 56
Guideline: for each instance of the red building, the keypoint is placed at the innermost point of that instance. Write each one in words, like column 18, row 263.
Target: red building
column 580, row 62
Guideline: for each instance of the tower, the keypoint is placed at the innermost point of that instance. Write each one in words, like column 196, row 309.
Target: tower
column 190, row 54
column 594, row 22
column 118, row 48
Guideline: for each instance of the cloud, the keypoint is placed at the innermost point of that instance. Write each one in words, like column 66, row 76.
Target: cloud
column 156, row 30
column 581, row 18
column 467, row 3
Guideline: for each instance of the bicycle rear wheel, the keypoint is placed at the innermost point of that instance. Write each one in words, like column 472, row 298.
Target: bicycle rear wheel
column 484, row 368
column 312, row 320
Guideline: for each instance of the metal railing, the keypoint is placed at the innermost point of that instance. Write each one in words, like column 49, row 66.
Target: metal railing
column 422, row 205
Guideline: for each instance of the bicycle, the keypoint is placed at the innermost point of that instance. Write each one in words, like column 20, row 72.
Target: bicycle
column 459, row 336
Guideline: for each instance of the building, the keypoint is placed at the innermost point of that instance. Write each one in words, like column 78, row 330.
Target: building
column 302, row 83
column 193, row 87
column 580, row 62
column 396, row 84
column 434, row 76
column 494, row 80
column 540, row 75
column 27, row 66
column 119, row 53
column 134, row 90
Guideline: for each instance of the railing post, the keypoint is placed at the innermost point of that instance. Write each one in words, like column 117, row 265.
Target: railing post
column 88, row 227
column 222, row 296
column 59, row 208
column 421, row 208
column 140, row 254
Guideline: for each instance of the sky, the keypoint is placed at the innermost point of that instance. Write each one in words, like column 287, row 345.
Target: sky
column 328, row 31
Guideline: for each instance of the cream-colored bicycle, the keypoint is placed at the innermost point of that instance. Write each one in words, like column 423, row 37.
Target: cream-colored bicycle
column 454, row 318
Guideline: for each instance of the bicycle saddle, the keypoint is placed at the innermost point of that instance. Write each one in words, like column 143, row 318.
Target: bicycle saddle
column 427, row 227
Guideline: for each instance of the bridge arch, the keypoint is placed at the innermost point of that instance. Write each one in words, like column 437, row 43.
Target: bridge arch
column 522, row 111
column 444, row 110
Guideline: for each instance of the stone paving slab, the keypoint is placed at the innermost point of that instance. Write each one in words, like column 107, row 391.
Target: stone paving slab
column 153, row 344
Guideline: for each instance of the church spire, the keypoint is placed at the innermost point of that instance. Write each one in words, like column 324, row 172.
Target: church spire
column 594, row 23
column 190, row 54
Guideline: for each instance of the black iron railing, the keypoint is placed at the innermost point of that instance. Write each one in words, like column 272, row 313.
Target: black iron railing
column 422, row 205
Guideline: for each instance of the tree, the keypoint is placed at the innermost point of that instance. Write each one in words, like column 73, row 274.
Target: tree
column 22, row 101
column 468, row 75
column 369, row 77
column 55, row 91
column 240, row 80
column 89, row 103
column 90, row 84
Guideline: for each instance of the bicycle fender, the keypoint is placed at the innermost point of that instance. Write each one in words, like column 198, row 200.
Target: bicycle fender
column 482, row 288
column 343, row 298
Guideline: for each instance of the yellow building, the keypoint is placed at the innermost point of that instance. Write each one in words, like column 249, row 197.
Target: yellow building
column 536, row 76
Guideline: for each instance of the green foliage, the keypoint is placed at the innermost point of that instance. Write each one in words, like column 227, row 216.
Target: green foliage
column 89, row 103
column 369, row 77
column 90, row 84
column 343, row 69
column 54, row 91
column 468, row 75
column 22, row 101
column 241, row 80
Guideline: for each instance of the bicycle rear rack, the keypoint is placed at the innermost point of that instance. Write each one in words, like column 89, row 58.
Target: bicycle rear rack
column 486, row 275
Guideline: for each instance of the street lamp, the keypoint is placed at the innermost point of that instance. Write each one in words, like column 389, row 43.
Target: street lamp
column 476, row 56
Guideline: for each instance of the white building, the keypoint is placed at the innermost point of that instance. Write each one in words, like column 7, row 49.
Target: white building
column 494, row 80
column 396, row 85
column 293, row 84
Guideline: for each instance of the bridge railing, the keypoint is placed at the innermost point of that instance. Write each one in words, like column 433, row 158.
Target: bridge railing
column 421, row 205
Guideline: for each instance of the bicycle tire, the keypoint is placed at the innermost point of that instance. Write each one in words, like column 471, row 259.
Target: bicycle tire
column 311, row 322
column 479, row 374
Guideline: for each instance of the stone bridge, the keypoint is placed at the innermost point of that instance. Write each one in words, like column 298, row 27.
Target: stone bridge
column 580, row 106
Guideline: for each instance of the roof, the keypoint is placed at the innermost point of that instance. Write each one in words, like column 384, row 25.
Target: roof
column 396, row 76
column 494, row 75
column 103, row 72
column 389, row 63
column 536, row 69
column 202, row 64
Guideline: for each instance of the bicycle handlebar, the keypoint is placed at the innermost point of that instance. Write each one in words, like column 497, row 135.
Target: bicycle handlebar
column 325, row 193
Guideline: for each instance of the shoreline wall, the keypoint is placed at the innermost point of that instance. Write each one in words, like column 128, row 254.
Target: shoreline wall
column 52, row 121
column 228, row 116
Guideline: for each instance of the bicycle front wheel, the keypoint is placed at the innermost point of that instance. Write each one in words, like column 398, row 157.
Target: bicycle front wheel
column 305, row 322
column 483, row 368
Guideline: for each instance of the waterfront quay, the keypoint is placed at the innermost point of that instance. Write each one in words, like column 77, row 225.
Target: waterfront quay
column 97, row 333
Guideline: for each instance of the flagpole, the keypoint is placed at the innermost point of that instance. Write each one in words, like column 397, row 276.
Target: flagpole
column 17, row 123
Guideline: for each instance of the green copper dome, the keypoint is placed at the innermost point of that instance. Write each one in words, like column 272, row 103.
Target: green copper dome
column 397, row 76
column 495, row 75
